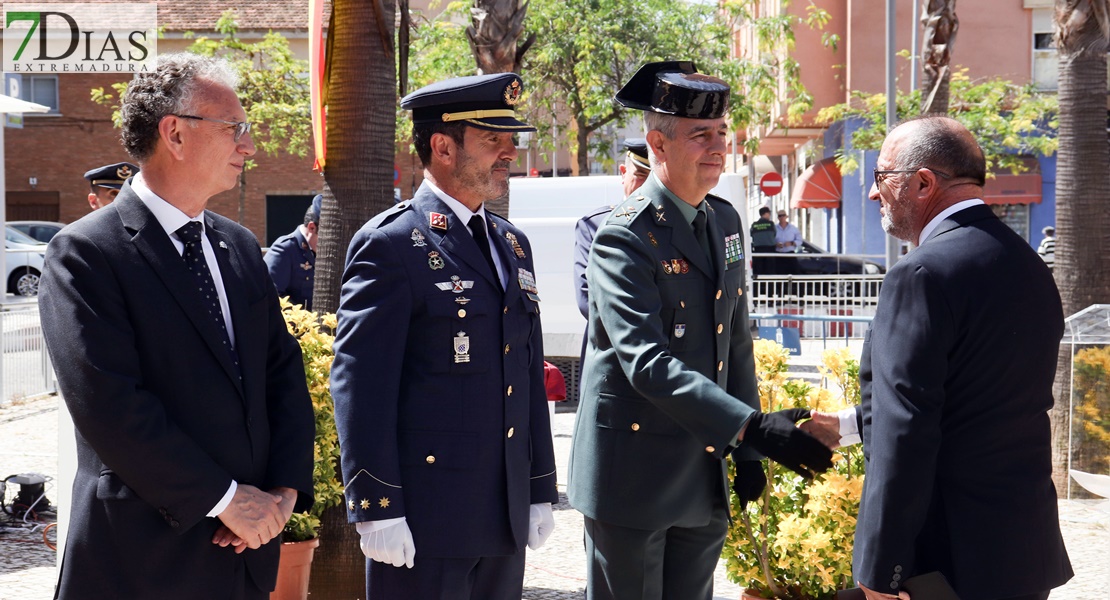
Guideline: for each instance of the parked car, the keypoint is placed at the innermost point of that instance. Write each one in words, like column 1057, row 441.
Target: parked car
column 24, row 259
column 812, row 260
column 42, row 231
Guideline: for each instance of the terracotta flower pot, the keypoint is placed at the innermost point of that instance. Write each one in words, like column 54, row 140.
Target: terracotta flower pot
column 293, row 570
column 750, row 594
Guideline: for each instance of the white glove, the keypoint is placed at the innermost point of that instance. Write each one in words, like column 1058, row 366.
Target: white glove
column 541, row 522
column 387, row 541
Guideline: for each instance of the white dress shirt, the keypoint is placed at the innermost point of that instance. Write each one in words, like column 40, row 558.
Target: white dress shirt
column 171, row 219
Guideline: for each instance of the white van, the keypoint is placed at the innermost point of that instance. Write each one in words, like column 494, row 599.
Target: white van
column 547, row 209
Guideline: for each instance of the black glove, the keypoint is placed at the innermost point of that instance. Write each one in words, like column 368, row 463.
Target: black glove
column 749, row 481
column 776, row 436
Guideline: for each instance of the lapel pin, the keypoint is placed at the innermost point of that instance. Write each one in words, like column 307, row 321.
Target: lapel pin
column 223, row 245
column 437, row 221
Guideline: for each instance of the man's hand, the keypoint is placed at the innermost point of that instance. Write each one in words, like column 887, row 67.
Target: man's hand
column 224, row 536
column 871, row 594
column 541, row 522
column 288, row 501
column 776, row 436
column 391, row 544
column 749, row 481
column 825, row 427
column 256, row 517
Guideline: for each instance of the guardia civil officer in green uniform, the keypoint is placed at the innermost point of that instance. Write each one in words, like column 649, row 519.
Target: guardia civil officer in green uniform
column 669, row 388
column 438, row 378
column 763, row 242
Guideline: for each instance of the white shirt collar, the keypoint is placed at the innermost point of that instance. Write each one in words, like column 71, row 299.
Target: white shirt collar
column 461, row 211
column 944, row 214
column 169, row 216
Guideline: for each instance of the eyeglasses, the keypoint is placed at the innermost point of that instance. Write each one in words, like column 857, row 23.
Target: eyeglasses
column 881, row 175
column 241, row 127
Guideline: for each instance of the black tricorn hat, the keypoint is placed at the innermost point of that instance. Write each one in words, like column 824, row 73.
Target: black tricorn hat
column 675, row 88
column 482, row 101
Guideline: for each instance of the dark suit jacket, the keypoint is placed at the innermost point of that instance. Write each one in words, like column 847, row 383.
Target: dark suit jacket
column 956, row 377
column 292, row 266
column 438, row 383
column 669, row 374
column 163, row 421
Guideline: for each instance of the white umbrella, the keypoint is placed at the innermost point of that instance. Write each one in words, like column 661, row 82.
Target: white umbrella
column 15, row 105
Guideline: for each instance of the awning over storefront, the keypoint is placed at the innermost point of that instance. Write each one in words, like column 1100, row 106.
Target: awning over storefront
column 818, row 186
column 1013, row 189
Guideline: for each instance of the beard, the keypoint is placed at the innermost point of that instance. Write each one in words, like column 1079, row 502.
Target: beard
column 480, row 180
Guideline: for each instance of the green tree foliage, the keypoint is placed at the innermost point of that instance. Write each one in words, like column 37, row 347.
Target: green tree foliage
column 586, row 50
column 274, row 87
column 1009, row 120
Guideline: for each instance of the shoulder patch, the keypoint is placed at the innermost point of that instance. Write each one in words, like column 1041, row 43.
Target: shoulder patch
column 627, row 211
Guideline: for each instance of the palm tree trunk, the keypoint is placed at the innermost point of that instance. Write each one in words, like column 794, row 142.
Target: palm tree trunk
column 358, row 176
column 494, row 34
column 358, row 183
column 940, row 24
column 1082, row 268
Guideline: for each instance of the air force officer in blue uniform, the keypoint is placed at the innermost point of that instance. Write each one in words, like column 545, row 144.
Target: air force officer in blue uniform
column 438, row 373
column 291, row 260
column 669, row 388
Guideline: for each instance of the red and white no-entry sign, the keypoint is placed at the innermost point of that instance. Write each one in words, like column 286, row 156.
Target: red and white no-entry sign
column 770, row 184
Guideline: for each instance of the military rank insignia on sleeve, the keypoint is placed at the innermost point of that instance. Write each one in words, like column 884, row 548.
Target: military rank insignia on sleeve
column 734, row 249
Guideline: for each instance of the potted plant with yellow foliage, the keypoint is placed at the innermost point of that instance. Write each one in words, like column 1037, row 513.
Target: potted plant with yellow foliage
column 300, row 537
column 795, row 543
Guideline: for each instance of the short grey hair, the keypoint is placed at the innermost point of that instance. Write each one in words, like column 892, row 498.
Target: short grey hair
column 170, row 89
column 661, row 122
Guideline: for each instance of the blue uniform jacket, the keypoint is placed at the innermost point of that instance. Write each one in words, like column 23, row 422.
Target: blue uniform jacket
column 438, row 382
column 292, row 266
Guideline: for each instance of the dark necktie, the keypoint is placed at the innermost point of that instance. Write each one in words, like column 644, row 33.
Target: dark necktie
column 700, row 234
column 190, row 233
column 478, row 228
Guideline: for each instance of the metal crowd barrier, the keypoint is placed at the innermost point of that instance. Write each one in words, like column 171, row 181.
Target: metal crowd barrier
column 818, row 306
column 25, row 369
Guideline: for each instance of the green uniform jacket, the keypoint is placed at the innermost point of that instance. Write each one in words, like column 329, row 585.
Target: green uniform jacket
column 669, row 377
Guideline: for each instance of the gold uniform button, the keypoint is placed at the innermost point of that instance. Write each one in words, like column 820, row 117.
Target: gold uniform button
column 739, row 291
column 635, row 427
column 511, row 431
column 720, row 327
column 721, row 365
column 462, row 312
column 509, row 392
column 710, row 449
column 506, row 311
column 682, row 304
column 718, row 294
column 431, row 460
column 506, row 348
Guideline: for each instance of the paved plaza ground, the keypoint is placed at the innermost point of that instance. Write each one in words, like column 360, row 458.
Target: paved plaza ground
column 29, row 443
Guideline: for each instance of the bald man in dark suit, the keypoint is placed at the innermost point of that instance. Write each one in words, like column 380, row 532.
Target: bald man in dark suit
column 956, row 377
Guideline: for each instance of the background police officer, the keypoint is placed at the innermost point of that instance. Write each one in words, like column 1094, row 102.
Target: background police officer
column 291, row 259
column 438, row 373
column 763, row 241
column 669, row 387
column 105, row 182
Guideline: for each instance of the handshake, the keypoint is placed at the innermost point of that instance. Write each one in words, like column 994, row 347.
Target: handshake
column 777, row 436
